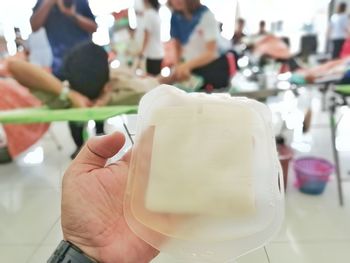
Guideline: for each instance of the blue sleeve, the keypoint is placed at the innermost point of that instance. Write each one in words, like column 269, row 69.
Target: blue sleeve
column 174, row 28
column 85, row 10
column 37, row 5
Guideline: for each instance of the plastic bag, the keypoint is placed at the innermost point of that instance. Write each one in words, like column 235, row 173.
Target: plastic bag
column 205, row 183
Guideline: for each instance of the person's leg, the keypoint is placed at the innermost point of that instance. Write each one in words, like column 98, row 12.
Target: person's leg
column 153, row 66
column 76, row 130
column 341, row 45
column 100, row 128
column 216, row 75
column 337, row 48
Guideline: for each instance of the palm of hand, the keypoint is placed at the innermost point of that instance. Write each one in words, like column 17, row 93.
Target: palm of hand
column 92, row 214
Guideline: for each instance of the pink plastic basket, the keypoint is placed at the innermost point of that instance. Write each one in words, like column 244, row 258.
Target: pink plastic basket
column 312, row 174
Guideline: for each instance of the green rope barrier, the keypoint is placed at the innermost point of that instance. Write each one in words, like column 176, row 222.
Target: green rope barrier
column 343, row 90
column 44, row 115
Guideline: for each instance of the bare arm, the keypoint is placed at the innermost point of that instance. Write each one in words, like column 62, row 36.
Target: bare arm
column 85, row 23
column 183, row 71
column 145, row 42
column 38, row 19
column 35, row 78
column 208, row 56
column 178, row 51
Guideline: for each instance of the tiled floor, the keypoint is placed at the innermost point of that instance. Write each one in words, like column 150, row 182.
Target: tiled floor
column 316, row 229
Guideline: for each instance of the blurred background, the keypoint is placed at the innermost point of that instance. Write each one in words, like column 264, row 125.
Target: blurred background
column 293, row 17
column 291, row 55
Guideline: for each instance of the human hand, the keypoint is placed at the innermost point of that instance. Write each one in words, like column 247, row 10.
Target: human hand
column 78, row 100
column 68, row 11
column 92, row 205
column 105, row 97
column 182, row 72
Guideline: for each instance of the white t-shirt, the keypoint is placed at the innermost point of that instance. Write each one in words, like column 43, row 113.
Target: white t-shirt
column 205, row 31
column 339, row 26
column 40, row 49
column 154, row 48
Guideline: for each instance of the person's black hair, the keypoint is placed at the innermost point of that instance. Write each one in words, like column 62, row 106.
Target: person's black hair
column 342, row 7
column 262, row 23
column 154, row 4
column 86, row 68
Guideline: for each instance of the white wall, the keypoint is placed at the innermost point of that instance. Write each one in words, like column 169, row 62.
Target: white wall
column 225, row 12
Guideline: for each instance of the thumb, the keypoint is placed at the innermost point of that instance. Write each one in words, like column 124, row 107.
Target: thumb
column 98, row 150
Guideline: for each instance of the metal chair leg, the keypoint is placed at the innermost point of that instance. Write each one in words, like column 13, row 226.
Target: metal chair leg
column 333, row 124
column 55, row 140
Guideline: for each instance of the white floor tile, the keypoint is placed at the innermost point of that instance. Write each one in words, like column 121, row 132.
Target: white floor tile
column 257, row 256
column 41, row 254
column 323, row 252
column 165, row 258
column 26, row 216
column 55, row 235
column 16, row 254
column 254, row 257
column 316, row 217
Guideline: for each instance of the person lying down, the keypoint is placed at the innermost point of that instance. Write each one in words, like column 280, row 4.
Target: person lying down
column 89, row 83
column 335, row 70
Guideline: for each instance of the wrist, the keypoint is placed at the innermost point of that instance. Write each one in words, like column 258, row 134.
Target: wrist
column 71, row 96
column 89, row 252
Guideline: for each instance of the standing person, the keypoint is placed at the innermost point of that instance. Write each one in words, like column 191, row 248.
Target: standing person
column 262, row 28
column 338, row 30
column 239, row 32
column 67, row 23
column 195, row 31
column 152, row 48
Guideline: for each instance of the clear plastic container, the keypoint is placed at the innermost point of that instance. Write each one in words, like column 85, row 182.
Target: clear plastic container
column 204, row 175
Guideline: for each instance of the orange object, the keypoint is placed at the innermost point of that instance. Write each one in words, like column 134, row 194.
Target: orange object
column 19, row 137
